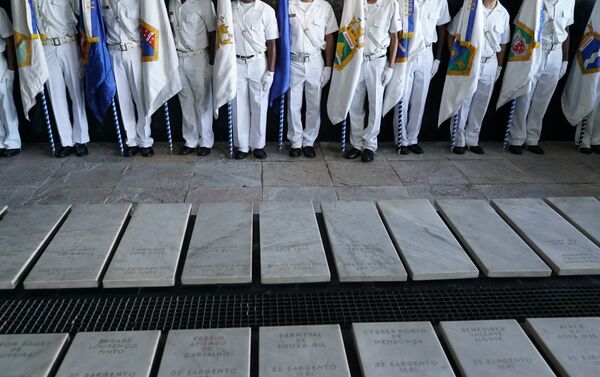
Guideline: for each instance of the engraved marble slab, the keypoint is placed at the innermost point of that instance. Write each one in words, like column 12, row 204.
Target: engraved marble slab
column 291, row 250
column 558, row 242
column 583, row 213
column 214, row 352
column 149, row 251
column 80, row 250
column 427, row 247
column 220, row 250
column 496, row 348
column 23, row 234
column 3, row 209
column 360, row 244
column 491, row 242
column 125, row 353
column 394, row 349
column 572, row 345
column 30, row 355
column 302, row 351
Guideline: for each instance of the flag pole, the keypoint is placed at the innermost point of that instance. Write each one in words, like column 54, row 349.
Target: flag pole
column 168, row 124
column 229, row 129
column 47, row 120
column 582, row 131
column 281, row 119
column 400, row 127
column 511, row 115
column 343, row 136
column 117, row 127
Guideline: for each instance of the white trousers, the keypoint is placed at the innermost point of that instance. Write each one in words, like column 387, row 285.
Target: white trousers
column 305, row 82
column 9, row 121
column 250, row 106
column 591, row 135
column 472, row 111
column 128, row 75
column 369, row 87
column 530, row 109
column 416, row 89
column 196, row 101
column 66, row 73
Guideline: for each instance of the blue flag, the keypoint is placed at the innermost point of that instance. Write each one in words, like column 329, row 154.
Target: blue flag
column 100, row 86
column 281, row 81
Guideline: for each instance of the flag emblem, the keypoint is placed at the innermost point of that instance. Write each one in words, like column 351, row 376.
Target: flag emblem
column 350, row 39
column 150, row 36
column 23, row 49
column 588, row 54
column 461, row 58
column 402, row 52
column 224, row 36
column 523, row 43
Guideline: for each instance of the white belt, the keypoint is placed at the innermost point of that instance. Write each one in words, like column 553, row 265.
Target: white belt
column 373, row 56
column 248, row 59
column 124, row 46
column 185, row 54
column 58, row 41
column 550, row 47
column 303, row 58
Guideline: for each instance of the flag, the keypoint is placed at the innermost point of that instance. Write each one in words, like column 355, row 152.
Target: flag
column 160, row 63
column 582, row 91
column 281, row 81
column 464, row 67
column 33, row 68
column 225, row 66
column 100, row 86
column 348, row 60
column 525, row 55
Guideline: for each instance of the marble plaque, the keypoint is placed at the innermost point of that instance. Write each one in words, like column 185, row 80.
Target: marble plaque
column 30, row 355
column 23, row 234
column 149, row 251
column 302, row 351
column 125, row 353
column 491, row 242
column 2, row 210
column 214, row 352
column 558, row 242
column 572, row 345
column 395, row 349
column 80, row 250
column 220, row 250
column 496, row 348
column 427, row 247
column 361, row 247
column 291, row 250
column 583, row 213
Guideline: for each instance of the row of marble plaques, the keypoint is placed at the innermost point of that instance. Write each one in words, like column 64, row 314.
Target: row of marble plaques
column 59, row 246
column 569, row 347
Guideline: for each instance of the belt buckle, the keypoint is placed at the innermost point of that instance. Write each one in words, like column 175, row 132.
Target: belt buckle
column 56, row 42
column 305, row 58
column 123, row 46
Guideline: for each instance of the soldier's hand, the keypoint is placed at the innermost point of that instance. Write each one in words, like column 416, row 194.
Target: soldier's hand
column 267, row 81
column 435, row 67
column 386, row 77
column 498, row 72
column 563, row 69
column 9, row 77
column 325, row 76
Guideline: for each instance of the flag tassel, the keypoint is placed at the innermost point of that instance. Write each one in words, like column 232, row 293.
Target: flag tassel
column 400, row 127
column 117, row 127
column 47, row 120
column 582, row 131
column 168, row 124
column 281, row 119
column 511, row 115
column 453, row 131
column 344, row 136
column 229, row 129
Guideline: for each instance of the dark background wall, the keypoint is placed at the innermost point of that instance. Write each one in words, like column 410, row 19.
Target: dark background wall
column 555, row 128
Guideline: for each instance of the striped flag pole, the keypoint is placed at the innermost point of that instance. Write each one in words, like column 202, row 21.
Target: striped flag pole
column 454, row 131
column 47, row 120
column 511, row 115
column 117, row 127
column 229, row 129
column 582, row 131
column 400, row 126
column 168, row 123
column 281, row 115
column 344, row 136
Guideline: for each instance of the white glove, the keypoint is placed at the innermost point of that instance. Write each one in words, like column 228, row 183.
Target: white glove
column 498, row 72
column 563, row 69
column 325, row 76
column 436, row 67
column 386, row 77
column 9, row 77
column 267, row 81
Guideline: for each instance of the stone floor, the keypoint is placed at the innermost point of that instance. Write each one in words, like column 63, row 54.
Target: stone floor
column 104, row 177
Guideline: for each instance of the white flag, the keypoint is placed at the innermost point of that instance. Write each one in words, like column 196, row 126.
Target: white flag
column 464, row 67
column 160, row 64
column 33, row 69
column 525, row 54
column 348, row 60
column 225, row 67
column 582, row 91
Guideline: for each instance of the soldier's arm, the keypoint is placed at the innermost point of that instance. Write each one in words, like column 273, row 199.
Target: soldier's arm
column 10, row 53
column 329, row 50
column 393, row 49
column 565, row 45
column 450, row 41
column 441, row 33
column 271, row 54
column 502, row 54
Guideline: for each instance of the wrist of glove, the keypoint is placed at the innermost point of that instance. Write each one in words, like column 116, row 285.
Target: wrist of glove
column 386, row 76
column 563, row 69
column 498, row 72
column 435, row 67
column 325, row 76
column 267, row 80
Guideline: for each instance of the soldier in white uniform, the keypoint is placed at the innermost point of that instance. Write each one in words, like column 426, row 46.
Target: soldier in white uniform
column 122, row 20
column 194, row 24
column 472, row 111
column 530, row 108
column 590, row 142
column 10, row 141
column 57, row 21
column 431, row 17
column 381, row 34
column 255, row 33
column 312, row 25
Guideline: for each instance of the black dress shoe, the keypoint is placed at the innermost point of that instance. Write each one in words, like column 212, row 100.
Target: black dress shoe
column 367, row 155
column 186, row 150
column 2, row 150
column 295, row 152
column 515, row 149
column 259, row 153
column 64, row 152
column 81, row 150
column 416, row 149
column 535, row 149
column 403, row 150
column 309, row 152
column 458, row 150
column 130, row 151
column 596, row 149
column 239, row 155
column 477, row 150
column 352, row 154
column 147, row 152
column 585, row 150
column 10, row 152
column 203, row 151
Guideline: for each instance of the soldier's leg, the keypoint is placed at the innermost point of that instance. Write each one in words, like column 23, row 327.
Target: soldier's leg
column 71, row 59
column 408, row 88
column 57, row 88
column 134, row 75
column 480, row 103
column 297, row 82
column 9, row 121
column 259, row 104
column 594, row 124
column 313, row 92
column 204, row 100
column 463, row 116
column 357, row 112
column 189, row 118
column 422, row 79
column 241, row 110
column 375, row 97
column 125, row 98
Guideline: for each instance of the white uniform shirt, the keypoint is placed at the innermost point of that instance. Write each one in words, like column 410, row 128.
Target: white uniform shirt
column 558, row 15
column 259, row 23
column 6, row 29
column 319, row 20
column 428, row 15
column 383, row 18
column 57, row 18
column 122, row 20
column 497, row 25
column 192, row 21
